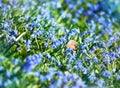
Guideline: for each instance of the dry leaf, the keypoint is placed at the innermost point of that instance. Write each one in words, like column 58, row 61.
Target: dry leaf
column 71, row 44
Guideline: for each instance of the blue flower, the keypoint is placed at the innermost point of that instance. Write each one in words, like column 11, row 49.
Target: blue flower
column 86, row 58
column 71, row 6
column 1, row 68
column 118, row 77
column 1, row 81
column 7, row 82
column 106, row 57
column 33, row 60
column 106, row 73
column 46, row 44
column 47, row 55
column 62, row 40
column 27, row 67
column 54, row 45
column 11, row 39
column 100, row 83
column 113, row 55
column 118, row 49
column 8, row 74
column 101, row 44
column 74, row 31
column 16, row 61
column 94, row 59
column 27, row 42
column 92, row 77
column 79, row 83
column 2, row 58
column 13, row 32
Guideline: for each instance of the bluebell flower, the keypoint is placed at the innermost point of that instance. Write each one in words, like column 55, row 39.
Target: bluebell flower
column 118, row 49
column 13, row 32
column 71, row 6
column 53, row 59
column 106, row 57
column 1, row 68
column 79, row 83
column 102, row 65
column 89, row 5
column 101, row 44
column 27, row 42
column 84, row 70
column 26, row 17
column 95, row 7
column 54, row 45
column 86, row 58
column 100, row 83
column 88, row 12
column 68, row 52
column 53, row 38
column 32, row 60
column 106, row 73
column 15, row 79
column 2, row 58
column 46, row 44
column 8, row 74
column 113, row 70
column 11, row 39
column 118, row 77
column 71, row 57
column 27, row 67
column 62, row 40
column 7, row 83
column 79, row 12
column 111, row 40
column 92, row 77
column 36, row 33
column 16, row 61
column 113, row 55
column 94, row 59
column 1, row 81
column 47, row 55
column 75, row 20
column 58, row 63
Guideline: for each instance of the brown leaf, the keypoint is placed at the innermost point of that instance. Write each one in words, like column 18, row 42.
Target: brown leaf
column 71, row 44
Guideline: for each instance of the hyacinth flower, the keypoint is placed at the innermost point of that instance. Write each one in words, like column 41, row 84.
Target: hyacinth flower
column 31, row 61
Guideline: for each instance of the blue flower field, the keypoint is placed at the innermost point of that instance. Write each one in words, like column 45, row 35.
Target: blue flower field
column 59, row 43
